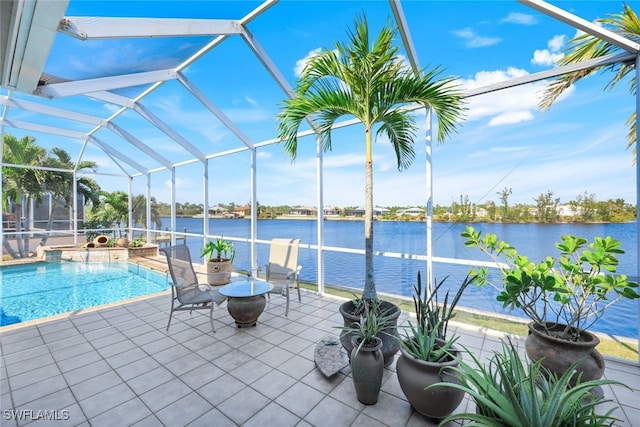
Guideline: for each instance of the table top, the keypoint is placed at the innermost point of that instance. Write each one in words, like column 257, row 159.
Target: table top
column 246, row 288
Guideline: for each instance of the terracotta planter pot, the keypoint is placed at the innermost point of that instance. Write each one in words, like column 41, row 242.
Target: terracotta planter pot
column 101, row 240
column 560, row 354
column 218, row 272
column 367, row 367
column 415, row 375
column 390, row 345
column 122, row 242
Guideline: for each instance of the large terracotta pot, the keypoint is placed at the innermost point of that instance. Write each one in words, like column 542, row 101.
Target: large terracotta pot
column 218, row 272
column 415, row 375
column 101, row 240
column 560, row 354
column 390, row 345
column 367, row 367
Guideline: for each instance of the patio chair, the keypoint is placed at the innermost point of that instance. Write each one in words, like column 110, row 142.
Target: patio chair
column 186, row 292
column 283, row 271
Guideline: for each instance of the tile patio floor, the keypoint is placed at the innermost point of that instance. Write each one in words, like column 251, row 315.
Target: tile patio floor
column 117, row 366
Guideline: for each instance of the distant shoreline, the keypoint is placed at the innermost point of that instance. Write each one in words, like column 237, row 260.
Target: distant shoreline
column 339, row 218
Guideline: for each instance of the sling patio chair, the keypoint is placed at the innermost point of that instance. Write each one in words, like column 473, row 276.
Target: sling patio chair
column 283, row 271
column 186, row 293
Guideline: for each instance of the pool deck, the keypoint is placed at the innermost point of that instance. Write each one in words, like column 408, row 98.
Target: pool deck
column 117, row 365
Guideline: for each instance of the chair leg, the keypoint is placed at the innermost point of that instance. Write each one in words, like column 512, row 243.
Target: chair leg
column 170, row 314
column 211, row 317
column 299, row 296
column 286, row 311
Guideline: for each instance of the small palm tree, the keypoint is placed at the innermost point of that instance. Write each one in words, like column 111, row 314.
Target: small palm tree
column 21, row 184
column 113, row 210
column 584, row 47
column 371, row 83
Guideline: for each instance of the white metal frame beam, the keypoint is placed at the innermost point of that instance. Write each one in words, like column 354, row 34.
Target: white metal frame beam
column 116, row 154
column 35, row 127
column 85, row 28
column 35, row 107
column 584, row 25
column 175, row 136
column 81, row 87
column 209, row 105
column 118, row 130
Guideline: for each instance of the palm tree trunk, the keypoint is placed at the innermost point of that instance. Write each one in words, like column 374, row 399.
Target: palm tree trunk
column 369, row 292
column 27, row 227
column 19, row 236
column 7, row 247
column 49, row 227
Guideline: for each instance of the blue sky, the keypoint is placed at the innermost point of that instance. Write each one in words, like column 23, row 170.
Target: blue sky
column 577, row 146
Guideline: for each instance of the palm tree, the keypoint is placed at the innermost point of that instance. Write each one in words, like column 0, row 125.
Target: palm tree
column 584, row 47
column 22, row 184
column 139, row 211
column 371, row 83
column 59, row 183
column 113, row 210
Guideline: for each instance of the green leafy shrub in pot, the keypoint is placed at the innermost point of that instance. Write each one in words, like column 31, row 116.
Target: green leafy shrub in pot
column 427, row 354
column 221, row 248
column 432, row 321
column 512, row 393
column 573, row 291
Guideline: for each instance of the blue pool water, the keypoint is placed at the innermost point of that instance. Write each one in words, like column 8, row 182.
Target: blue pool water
column 40, row 290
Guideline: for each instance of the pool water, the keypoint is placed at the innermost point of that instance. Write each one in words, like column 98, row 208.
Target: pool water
column 40, row 290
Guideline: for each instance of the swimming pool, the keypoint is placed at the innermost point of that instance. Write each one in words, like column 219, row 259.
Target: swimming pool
column 34, row 291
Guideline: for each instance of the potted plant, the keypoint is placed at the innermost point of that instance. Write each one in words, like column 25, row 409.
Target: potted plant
column 512, row 393
column 138, row 242
column 362, row 78
column 366, row 359
column 219, row 255
column 139, row 247
column 562, row 297
column 427, row 354
column 352, row 312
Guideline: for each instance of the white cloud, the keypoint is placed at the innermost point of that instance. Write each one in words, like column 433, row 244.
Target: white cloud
column 511, row 118
column 544, row 57
column 508, row 106
column 556, row 43
column 473, row 40
column 550, row 55
column 180, row 184
column 263, row 155
column 520, row 18
column 301, row 63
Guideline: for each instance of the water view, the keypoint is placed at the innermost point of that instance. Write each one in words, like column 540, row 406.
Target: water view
column 398, row 275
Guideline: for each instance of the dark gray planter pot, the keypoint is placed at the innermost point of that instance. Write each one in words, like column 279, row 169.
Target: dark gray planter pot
column 558, row 354
column 390, row 345
column 367, row 366
column 415, row 375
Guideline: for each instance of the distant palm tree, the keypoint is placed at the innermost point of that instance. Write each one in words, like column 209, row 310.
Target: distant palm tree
column 113, row 210
column 139, row 211
column 585, row 47
column 21, row 184
column 371, row 83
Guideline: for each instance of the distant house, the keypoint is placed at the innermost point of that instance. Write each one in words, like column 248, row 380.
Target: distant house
column 359, row 212
column 217, row 210
column 304, row 211
column 331, row 211
column 242, row 212
column 568, row 211
column 412, row 211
